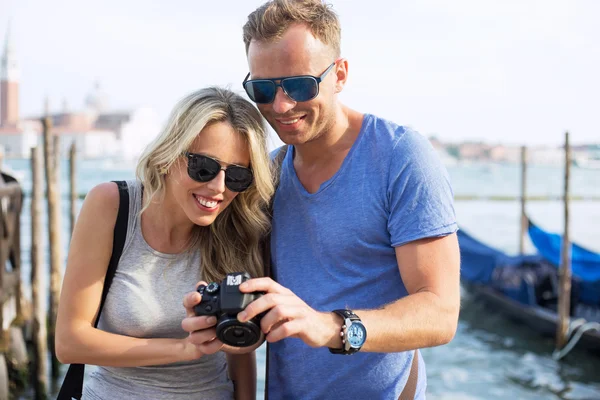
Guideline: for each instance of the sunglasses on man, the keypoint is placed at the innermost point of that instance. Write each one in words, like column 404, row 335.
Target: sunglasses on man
column 298, row 88
column 203, row 168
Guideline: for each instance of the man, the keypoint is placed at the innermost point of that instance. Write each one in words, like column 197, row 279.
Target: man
column 363, row 224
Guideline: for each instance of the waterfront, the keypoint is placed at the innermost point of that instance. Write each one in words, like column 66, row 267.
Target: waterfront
column 490, row 357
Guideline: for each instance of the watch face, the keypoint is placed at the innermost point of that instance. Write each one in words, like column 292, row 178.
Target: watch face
column 357, row 334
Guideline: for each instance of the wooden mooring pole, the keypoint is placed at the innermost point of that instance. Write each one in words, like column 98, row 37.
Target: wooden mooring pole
column 564, row 295
column 73, row 184
column 51, row 169
column 38, row 282
column 13, row 353
column 523, row 197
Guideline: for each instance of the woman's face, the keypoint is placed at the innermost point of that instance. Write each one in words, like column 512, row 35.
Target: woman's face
column 202, row 202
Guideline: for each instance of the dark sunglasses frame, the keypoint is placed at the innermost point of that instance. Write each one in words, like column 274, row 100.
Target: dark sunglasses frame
column 230, row 182
column 274, row 81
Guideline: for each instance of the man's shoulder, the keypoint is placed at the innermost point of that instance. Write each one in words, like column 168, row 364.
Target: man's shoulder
column 278, row 151
column 393, row 135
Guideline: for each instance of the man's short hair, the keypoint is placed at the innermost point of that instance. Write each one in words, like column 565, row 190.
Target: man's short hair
column 272, row 19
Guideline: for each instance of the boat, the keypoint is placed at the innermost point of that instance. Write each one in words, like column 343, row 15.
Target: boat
column 525, row 287
column 585, row 264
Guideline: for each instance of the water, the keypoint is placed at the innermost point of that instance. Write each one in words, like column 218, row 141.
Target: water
column 491, row 357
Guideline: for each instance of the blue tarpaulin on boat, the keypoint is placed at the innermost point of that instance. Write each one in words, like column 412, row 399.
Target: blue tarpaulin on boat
column 585, row 264
column 479, row 260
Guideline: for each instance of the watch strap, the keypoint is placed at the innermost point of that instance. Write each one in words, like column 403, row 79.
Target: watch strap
column 347, row 314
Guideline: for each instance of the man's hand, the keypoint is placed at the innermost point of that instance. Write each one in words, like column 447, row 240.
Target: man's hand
column 289, row 316
column 201, row 329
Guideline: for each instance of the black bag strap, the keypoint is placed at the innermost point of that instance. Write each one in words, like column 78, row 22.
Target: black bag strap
column 276, row 171
column 72, row 387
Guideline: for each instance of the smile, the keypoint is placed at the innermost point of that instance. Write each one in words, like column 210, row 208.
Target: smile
column 207, row 203
column 290, row 122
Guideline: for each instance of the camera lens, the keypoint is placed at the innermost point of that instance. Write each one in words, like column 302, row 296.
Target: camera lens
column 238, row 333
column 234, row 333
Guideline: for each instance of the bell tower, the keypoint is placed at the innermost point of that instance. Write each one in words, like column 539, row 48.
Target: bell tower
column 9, row 84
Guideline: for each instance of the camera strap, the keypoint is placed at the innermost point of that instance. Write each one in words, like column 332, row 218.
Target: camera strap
column 72, row 386
column 276, row 164
column 266, row 244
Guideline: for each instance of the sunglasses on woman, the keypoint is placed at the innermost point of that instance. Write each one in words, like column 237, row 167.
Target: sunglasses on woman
column 298, row 88
column 202, row 168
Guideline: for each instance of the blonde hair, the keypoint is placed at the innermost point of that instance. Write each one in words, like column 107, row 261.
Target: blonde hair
column 231, row 242
column 272, row 19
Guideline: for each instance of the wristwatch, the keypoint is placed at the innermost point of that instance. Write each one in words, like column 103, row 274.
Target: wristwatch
column 353, row 333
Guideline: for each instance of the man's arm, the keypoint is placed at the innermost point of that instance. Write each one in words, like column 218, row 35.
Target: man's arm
column 428, row 316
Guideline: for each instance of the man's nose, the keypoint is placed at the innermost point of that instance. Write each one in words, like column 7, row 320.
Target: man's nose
column 282, row 102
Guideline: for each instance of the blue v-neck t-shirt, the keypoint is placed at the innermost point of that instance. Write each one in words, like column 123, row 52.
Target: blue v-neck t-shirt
column 335, row 249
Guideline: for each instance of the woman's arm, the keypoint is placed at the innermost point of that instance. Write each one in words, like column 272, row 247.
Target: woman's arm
column 77, row 341
column 242, row 371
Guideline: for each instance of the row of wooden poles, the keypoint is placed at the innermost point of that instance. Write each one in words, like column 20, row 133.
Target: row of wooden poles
column 564, row 294
column 48, row 168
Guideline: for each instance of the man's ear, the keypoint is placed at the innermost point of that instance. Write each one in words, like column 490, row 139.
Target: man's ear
column 341, row 73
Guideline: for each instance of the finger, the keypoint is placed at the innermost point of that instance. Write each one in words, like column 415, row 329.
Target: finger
column 263, row 285
column 211, row 347
column 280, row 314
column 262, row 304
column 200, row 283
column 192, row 324
column 285, row 330
column 203, row 336
column 189, row 301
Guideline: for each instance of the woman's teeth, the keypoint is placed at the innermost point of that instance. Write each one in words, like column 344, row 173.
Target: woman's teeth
column 206, row 203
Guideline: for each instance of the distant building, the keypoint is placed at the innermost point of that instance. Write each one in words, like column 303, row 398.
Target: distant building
column 97, row 132
column 445, row 156
column 473, row 151
column 505, row 154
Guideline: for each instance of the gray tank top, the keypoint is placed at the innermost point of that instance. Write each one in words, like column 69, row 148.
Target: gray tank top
column 145, row 301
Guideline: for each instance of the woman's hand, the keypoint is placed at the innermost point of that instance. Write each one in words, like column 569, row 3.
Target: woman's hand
column 201, row 330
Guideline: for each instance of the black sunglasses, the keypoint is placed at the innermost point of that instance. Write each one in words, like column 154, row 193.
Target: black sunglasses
column 298, row 88
column 202, row 168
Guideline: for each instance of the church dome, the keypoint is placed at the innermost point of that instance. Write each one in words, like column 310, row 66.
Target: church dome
column 97, row 100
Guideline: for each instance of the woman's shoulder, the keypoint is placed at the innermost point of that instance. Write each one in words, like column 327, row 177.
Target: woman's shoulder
column 106, row 191
column 103, row 199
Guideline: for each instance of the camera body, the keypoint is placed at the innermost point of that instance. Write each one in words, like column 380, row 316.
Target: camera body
column 225, row 301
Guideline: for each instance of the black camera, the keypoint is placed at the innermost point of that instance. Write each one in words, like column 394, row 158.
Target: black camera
column 225, row 301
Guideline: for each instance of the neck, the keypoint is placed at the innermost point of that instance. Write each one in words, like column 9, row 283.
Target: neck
column 338, row 136
column 164, row 229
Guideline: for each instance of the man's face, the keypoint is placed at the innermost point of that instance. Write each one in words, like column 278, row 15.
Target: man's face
column 298, row 52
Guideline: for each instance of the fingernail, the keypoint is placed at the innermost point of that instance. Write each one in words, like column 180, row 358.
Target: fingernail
column 242, row 316
column 211, row 320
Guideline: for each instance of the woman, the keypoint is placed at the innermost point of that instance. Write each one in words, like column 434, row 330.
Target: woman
column 196, row 213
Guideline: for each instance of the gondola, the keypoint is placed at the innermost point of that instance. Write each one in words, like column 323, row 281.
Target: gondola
column 525, row 288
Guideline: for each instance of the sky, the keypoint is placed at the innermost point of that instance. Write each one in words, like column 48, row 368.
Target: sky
column 505, row 71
